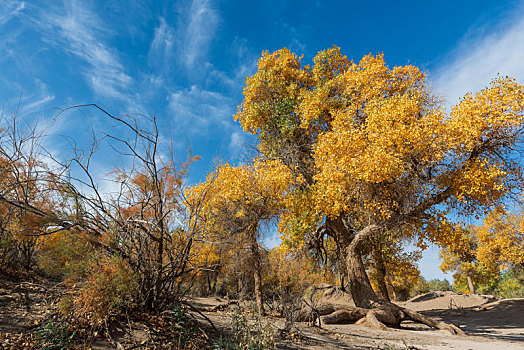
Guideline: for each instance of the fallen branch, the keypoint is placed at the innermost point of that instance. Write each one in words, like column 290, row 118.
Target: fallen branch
column 216, row 308
column 201, row 314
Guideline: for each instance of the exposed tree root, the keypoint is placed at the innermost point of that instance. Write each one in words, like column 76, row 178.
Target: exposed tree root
column 379, row 317
column 219, row 307
column 345, row 316
column 310, row 313
column 416, row 317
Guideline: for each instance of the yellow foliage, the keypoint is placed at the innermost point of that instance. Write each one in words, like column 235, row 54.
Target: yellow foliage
column 461, row 253
column 400, row 271
column 501, row 239
column 293, row 274
column 373, row 144
column 67, row 254
column 240, row 195
column 297, row 219
column 232, row 203
column 459, row 249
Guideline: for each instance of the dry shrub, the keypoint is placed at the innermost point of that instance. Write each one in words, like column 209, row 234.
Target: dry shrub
column 68, row 255
column 110, row 287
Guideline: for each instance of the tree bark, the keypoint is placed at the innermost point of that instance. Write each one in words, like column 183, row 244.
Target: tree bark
column 342, row 278
column 471, row 286
column 400, row 294
column 359, row 285
column 380, row 267
column 257, row 275
column 380, row 317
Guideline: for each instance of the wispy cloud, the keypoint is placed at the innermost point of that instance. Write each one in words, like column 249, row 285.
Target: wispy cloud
column 80, row 32
column 245, row 63
column 34, row 105
column 10, row 31
column 237, row 143
column 162, row 46
column 10, row 9
column 477, row 60
column 196, row 109
column 195, row 31
column 295, row 44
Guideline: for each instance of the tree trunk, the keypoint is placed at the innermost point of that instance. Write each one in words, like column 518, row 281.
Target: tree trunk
column 380, row 317
column 257, row 276
column 380, row 267
column 369, row 309
column 209, row 286
column 359, row 285
column 342, row 278
column 214, row 285
column 158, row 272
column 471, row 286
column 400, row 294
column 239, row 285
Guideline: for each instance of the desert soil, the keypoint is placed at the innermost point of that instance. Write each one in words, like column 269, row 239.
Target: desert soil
column 23, row 305
column 500, row 326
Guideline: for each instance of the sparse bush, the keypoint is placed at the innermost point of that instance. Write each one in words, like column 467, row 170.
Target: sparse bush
column 246, row 336
column 257, row 336
column 434, row 285
column 184, row 326
column 54, row 335
column 292, row 275
column 508, row 284
column 225, row 343
column 110, row 287
column 420, row 287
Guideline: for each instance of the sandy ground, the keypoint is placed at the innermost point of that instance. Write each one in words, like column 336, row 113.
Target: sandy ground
column 24, row 304
column 499, row 327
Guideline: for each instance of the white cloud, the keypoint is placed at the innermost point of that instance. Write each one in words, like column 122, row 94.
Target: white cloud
column 297, row 46
column 478, row 60
column 10, row 32
column 195, row 31
column 246, row 63
column 38, row 104
column 196, row 109
column 80, row 32
column 161, row 48
column 470, row 67
column 10, row 9
column 237, row 142
column 33, row 102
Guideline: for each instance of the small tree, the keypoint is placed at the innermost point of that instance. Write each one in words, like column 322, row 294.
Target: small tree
column 501, row 239
column 459, row 254
column 25, row 192
column 237, row 201
column 143, row 222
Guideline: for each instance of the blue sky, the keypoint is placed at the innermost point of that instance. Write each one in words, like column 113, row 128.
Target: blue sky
column 185, row 61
